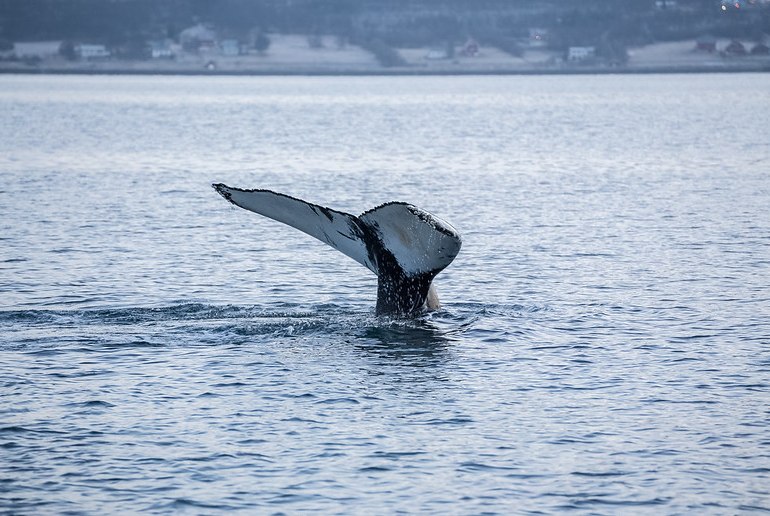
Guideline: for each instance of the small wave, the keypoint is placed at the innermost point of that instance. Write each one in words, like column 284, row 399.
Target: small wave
column 187, row 503
column 338, row 401
column 450, row 421
column 394, row 455
column 133, row 315
column 24, row 430
column 90, row 404
column 622, row 503
column 599, row 474
column 374, row 469
column 182, row 311
column 478, row 466
column 13, row 430
column 123, row 327
column 496, row 309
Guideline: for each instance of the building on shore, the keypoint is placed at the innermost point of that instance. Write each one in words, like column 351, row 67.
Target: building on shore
column 578, row 54
column 735, row 48
column 36, row 49
column 90, row 51
column 198, row 38
column 161, row 49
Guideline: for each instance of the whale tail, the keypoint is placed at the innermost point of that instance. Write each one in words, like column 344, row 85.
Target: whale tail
column 406, row 247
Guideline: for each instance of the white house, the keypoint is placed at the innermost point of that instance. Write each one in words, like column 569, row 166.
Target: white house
column 666, row 4
column 198, row 37
column 161, row 49
column 581, row 53
column 85, row 51
column 41, row 49
column 437, row 53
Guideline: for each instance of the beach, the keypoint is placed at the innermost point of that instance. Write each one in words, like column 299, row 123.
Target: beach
column 292, row 54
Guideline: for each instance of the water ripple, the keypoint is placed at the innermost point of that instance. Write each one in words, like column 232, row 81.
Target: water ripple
column 602, row 346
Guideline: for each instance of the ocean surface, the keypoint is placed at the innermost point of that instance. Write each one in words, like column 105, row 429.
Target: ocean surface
column 604, row 342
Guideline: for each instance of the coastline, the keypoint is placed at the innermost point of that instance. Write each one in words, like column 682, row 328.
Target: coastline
column 290, row 55
column 91, row 69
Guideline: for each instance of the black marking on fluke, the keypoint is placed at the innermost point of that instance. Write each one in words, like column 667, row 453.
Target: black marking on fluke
column 399, row 292
column 222, row 189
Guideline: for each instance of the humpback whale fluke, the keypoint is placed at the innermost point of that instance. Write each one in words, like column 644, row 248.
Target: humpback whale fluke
column 403, row 245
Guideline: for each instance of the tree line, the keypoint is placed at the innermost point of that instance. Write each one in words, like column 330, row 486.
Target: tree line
column 614, row 23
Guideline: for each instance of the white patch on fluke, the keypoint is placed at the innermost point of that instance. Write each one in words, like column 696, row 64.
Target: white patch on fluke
column 329, row 226
column 419, row 241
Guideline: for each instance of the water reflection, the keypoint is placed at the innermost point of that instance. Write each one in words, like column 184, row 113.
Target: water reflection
column 417, row 342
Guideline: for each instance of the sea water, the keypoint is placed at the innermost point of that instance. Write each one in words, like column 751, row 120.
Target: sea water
column 604, row 341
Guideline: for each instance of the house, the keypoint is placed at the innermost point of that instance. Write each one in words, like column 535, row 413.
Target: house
column 735, row 48
column 663, row 5
column 36, row 49
column 89, row 51
column 706, row 43
column 436, row 54
column 198, row 38
column 577, row 54
column 161, row 49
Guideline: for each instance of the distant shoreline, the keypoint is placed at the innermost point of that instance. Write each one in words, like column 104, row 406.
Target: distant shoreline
column 291, row 55
column 762, row 67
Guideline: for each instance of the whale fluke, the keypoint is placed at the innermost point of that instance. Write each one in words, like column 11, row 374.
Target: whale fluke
column 403, row 245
